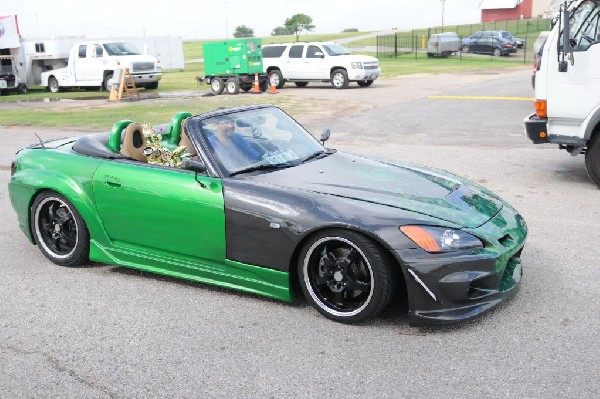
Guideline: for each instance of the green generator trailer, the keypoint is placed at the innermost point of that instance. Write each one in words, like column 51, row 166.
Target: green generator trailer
column 232, row 65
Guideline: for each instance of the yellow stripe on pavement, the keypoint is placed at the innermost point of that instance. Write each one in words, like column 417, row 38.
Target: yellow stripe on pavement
column 482, row 98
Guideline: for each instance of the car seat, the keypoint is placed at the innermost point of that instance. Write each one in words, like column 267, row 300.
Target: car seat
column 134, row 143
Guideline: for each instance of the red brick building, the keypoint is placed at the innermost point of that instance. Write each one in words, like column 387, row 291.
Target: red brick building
column 502, row 10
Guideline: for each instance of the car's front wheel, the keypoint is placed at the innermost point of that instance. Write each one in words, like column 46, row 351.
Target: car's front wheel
column 344, row 275
column 53, row 85
column 339, row 79
column 592, row 159
column 59, row 230
column 276, row 78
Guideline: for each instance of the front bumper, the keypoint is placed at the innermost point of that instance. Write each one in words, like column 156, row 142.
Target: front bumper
column 536, row 129
column 364, row 74
column 452, row 287
column 142, row 78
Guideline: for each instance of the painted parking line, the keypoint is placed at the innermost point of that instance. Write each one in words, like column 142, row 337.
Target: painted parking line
column 483, row 98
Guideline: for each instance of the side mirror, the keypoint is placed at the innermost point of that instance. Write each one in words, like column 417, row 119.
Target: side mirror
column 193, row 165
column 325, row 135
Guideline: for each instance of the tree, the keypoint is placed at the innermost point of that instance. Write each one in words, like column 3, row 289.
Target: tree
column 280, row 31
column 297, row 23
column 243, row 31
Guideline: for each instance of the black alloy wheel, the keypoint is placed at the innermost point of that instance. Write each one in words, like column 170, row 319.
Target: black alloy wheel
column 59, row 230
column 344, row 275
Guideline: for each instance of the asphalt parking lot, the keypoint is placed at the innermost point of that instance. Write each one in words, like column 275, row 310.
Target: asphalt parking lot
column 102, row 331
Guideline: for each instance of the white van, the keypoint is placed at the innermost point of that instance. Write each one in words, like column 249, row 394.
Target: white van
column 302, row 63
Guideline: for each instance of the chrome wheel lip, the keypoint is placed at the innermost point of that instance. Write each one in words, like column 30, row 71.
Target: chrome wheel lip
column 313, row 294
column 40, row 239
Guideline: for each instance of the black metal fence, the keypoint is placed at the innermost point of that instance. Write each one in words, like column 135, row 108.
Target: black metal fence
column 413, row 44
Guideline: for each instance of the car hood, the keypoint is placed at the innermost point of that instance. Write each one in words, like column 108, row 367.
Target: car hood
column 356, row 58
column 417, row 189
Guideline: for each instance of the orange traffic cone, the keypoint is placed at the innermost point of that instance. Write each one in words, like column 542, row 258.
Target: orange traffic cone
column 256, row 88
column 272, row 88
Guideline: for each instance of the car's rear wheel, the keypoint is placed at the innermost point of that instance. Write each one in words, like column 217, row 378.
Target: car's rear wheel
column 497, row 52
column 592, row 159
column 108, row 82
column 339, row 79
column 59, row 230
column 276, row 78
column 344, row 275
column 53, row 85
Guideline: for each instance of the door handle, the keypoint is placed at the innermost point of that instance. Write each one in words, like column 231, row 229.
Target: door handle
column 112, row 181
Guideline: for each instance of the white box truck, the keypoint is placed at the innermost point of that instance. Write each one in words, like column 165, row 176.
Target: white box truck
column 567, row 85
column 92, row 64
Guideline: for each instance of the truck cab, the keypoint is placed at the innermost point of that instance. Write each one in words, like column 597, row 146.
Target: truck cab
column 567, row 86
column 92, row 64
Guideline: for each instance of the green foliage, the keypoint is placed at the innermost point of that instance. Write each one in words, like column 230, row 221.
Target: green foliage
column 280, row 31
column 243, row 31
column 298, row 23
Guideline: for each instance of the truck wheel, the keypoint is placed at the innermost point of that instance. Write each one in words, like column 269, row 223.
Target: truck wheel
column 365, row 83
column 232, row 86
column 276, row 78
column 108, row 82
column 339, row 79
column 592, row 159
column 217, row 86
column 53, row 85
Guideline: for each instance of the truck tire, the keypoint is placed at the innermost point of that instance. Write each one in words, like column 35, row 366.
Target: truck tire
column 232, row 86
column 592, row 159
column 276, row 77
column 339, row 79
column 108, row 82
column 217, row 86
column 53, row 86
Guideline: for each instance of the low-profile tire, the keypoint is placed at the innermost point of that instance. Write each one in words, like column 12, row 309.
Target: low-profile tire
column 276, row 78
column 365, row 83
column 497, row 52
column 592, row 159
column 53, row 86
column 108, row 82
column 217, row 86
column 344, row 275
column 301, row 84
column 59, row 230
column 152, row 86
column 466, row 49
column 339, row 79
column 232, row 86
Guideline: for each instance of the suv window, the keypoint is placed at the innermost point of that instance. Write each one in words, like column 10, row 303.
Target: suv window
column 296, row 51
column 98, row 50
column 272, row 51
column 82, row 50
column 312, row 50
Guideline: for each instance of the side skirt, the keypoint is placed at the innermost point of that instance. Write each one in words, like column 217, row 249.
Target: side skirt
column 231, row 274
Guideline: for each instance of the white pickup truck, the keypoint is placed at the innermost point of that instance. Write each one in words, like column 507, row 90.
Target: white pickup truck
column 318, row 62
column 92, row 64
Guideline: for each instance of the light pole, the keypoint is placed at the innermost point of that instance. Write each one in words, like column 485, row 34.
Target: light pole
column 443, row 1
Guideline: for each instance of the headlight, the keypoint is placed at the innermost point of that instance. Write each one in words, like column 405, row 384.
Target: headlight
column 357, row 65
column 440, row 239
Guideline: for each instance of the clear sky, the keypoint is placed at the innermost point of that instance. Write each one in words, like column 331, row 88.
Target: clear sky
column 216, row 19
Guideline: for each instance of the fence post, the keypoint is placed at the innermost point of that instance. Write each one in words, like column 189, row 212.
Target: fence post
column 396, row 44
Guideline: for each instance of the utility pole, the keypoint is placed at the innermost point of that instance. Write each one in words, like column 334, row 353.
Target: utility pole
column 443, row 1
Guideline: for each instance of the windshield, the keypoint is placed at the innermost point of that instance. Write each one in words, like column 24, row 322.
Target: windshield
column 583, row 25
column 336, row 49
column 258, row 139
column 120, row 49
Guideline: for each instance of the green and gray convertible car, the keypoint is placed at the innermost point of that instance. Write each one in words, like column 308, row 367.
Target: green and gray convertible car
column 246, row 198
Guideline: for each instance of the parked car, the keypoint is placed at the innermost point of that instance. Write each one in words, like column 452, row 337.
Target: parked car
column 302, row 63
column 490, row 45
column 500, row 34
column 260, row 205
column 537, row 63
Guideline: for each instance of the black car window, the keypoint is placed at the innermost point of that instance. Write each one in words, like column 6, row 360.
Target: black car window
column 82, row 51
column 296, row 51
column 312, row 50
column 272, row 51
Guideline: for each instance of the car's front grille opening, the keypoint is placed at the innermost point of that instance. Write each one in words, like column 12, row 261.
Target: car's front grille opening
column 506, row 240
column 509, row 278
